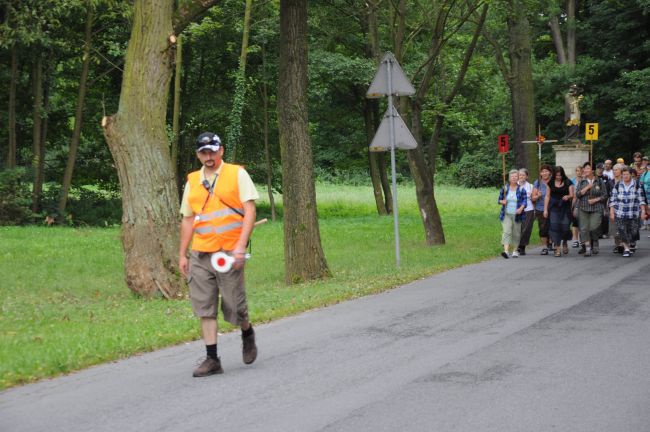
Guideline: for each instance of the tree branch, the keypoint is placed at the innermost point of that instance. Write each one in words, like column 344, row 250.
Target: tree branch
column 468, row 56
column 498, row 54
column 556, row 34
column 189, row 11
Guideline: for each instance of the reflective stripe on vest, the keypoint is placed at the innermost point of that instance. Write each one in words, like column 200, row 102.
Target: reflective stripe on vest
column 220, row 229
column 217, row 224
column 218, row 213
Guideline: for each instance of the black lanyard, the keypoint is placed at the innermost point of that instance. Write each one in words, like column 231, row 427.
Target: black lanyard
column 210, row 189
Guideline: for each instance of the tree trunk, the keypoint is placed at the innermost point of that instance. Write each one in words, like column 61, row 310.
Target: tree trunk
column 37, row 129
column 234, row 130
column 11, row 121
column 571, row 33
column 521, row 87
column 433, row 230
column 373, row 160
column 183, row 150
column 44, row 123
column 371, row 105
column 449, row 98
column 386, row 185
column 267, row 150
column 78, row 117
column 303, row 254
column 176, row 113
column 558, row 41
column 138, row 142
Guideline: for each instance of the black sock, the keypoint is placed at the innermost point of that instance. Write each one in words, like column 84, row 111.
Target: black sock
column 246, row 333
column 211, row 351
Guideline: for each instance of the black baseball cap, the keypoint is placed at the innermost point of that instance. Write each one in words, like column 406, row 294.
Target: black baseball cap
column 208, row 141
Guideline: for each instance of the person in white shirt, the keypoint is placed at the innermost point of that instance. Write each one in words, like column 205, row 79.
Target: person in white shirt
column 529, row 212
column 607, row 171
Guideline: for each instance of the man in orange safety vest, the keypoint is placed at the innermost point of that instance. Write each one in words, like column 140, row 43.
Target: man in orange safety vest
column 218, row 209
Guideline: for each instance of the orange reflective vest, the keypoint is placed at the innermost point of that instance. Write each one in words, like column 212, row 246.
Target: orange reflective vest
column 217, row 225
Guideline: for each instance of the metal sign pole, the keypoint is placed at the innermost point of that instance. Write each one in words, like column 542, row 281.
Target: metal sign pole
column 391, row 125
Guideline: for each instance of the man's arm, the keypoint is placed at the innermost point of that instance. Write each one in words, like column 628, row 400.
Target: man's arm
column 187, row 226
column 239, row 252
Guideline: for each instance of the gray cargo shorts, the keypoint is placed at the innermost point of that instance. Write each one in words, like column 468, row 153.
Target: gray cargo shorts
column 206, row 284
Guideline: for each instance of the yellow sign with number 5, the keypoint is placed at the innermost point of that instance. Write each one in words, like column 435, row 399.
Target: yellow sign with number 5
column 591, row 131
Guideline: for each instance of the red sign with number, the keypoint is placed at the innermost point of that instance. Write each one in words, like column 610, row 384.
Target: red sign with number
column 502, row 141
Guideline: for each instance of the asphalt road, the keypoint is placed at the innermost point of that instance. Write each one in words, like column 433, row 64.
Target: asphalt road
column 533, row 344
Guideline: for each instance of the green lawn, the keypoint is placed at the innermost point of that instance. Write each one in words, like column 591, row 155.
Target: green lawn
column 65, row 305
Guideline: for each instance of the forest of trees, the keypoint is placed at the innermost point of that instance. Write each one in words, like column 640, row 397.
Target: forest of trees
column 78, row 75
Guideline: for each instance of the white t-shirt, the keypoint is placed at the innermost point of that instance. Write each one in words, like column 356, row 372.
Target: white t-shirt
column 609, row 174
column 529, row 201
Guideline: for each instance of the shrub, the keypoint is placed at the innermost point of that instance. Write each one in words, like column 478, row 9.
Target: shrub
column 87, row 205
column 15, row 197
column 479, row 170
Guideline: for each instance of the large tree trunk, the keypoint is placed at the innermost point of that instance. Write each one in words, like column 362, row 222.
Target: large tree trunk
column 303, row 254
column 571, row 33
column 139, row 145
column 11, row 121
column 433, row 230
column 185, row 148
column 176, row 113
column 78, row 117
column 37, row 129
column 521, row 87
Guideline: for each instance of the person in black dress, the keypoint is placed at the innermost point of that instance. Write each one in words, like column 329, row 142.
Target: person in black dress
column 557, row 208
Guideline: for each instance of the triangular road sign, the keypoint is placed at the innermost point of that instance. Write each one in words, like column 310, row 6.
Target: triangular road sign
column 403, row 138
column 401, row 86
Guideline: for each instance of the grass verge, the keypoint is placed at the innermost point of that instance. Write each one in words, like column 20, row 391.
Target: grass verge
column 65, row 305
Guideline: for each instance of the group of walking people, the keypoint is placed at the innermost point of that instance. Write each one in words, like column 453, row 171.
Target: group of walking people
column 597, row 203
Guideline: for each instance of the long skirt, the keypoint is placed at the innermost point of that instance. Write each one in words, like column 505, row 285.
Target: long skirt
column 628, row 229
column 559, row 223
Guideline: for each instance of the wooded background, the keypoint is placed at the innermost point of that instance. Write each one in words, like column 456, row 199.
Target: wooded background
column 480, row 69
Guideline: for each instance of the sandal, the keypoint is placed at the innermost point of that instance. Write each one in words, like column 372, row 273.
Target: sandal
column 557, row 252
column 544, row 251
column 565, row 250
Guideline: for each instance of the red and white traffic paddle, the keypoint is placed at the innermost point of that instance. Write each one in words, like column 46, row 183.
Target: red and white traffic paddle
column 222, row 262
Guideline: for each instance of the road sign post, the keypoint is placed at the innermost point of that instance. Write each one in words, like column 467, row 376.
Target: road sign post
column 591, row 134
column 390, row 80
column 504, row 147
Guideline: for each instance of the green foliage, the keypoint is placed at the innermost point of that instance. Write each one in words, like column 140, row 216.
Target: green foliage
column 634, row 112
column 612, row 66
column 15, row 197
column 479, row 170
column 87, row 206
